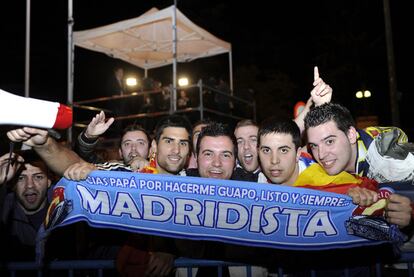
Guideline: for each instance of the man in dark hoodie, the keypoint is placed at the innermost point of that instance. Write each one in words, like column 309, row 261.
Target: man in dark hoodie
column 24, row 202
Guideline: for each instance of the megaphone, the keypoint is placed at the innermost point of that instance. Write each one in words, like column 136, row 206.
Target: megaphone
column 23, row 111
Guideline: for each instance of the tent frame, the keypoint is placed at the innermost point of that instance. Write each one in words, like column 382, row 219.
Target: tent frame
column 71, row 55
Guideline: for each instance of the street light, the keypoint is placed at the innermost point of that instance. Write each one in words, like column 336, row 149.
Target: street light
column 131, row 81
column 363, row 94
column 183, row 81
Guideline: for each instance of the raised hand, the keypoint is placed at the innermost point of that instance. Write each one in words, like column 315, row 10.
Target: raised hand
column 56, row 156
column 98, row 126
column 15, row 163
column 29, row 136
column 321, row 92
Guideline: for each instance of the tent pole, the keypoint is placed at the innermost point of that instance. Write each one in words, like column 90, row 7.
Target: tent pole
column 174, row 34
column 231, row 72
column 27, row 57
column 392, row 78
column 70, row 64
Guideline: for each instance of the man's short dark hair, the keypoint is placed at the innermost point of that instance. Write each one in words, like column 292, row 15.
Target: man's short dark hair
column 327, row 112
column 173, row 121
column 31, row 157
column 280, row 126
column 246, row 122
column 132, row 128
column 202, row 122
column 215, row 129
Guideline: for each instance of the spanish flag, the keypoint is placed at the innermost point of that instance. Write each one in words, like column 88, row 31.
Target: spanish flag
column 152, row 167
column 315, row 177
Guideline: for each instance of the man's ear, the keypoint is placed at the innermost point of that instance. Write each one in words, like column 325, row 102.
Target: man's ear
column 120, row 153
column 153, row 146
column 298, row 152
column 152, row 150
column 352, row 135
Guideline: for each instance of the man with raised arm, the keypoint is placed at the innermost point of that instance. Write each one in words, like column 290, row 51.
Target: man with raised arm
column 283, row 163
column 246, row 130
column 171, row 145
column 57, row 157
column 379, row 153
column 24, row 202
column 134, row 142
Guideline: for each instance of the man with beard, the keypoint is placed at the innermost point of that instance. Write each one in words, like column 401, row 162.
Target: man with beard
column 135, row 140
column 24, row 204
column 171, row 146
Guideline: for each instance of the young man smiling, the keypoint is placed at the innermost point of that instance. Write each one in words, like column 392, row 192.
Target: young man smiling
column 379, row 153
column 172, row 144
column 282, row 163
column 216, row 153
column 338, row 146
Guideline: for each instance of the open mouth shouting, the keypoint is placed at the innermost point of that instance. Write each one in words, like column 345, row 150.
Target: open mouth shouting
column 31, row 197
column 248, row 158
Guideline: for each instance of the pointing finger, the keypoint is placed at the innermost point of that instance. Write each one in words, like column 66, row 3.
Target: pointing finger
column 315, row 73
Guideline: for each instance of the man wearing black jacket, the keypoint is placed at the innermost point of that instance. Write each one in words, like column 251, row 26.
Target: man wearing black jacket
column 23, row 204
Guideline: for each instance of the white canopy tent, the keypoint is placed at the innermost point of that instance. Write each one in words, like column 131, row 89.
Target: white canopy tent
column 154, row 39
column 147, row 41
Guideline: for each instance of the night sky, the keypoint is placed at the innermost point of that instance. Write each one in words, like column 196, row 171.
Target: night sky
column 274, row 50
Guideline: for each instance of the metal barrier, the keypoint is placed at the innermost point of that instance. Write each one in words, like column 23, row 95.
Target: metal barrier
column 71, row 266
column 100, row 266
column 205, row 102
column 107, row 267
column 190, row 264
column 407, row 257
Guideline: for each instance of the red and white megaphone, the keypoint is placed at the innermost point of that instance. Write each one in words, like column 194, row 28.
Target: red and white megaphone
column 22, row 111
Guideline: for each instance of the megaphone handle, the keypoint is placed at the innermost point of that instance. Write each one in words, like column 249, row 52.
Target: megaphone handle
column 54, row 134
column 11, row 149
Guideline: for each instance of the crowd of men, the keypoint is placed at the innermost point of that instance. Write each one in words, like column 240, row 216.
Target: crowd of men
column 272, row 152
